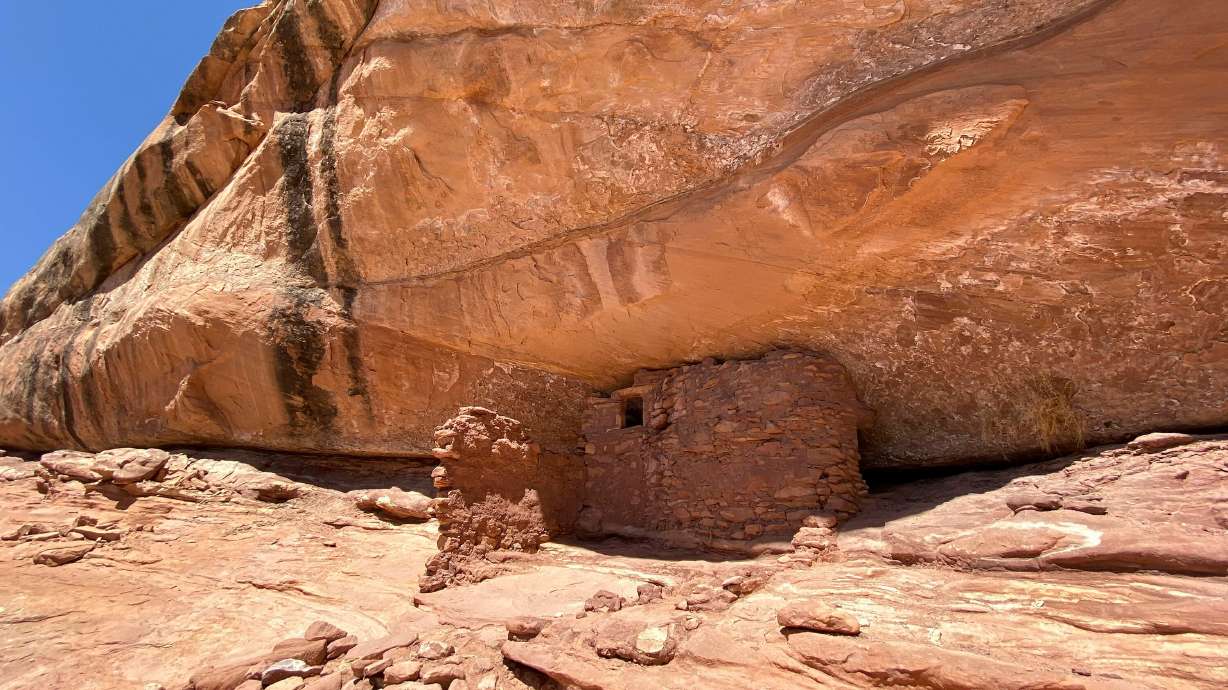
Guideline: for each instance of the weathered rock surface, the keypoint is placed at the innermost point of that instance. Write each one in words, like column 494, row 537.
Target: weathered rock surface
column 1116, row 510
column 1005, row 220
column 222, row 590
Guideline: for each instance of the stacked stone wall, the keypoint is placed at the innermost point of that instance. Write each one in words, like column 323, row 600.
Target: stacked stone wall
column 730, row 451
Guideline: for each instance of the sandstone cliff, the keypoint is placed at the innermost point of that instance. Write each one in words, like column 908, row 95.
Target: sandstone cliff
column 1006, row 220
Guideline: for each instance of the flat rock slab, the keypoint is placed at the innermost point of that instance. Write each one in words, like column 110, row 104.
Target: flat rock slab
column 547, row 592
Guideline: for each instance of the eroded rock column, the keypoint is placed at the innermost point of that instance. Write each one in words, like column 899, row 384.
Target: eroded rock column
column 500, row 492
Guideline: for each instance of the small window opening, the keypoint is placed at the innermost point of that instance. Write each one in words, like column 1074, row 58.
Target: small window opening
column 633, row 412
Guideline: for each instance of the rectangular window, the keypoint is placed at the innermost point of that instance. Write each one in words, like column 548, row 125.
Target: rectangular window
column 633, row 412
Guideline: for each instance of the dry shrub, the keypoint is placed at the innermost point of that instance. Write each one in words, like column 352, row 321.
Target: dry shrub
column 1040, row 412
column 1047, row 404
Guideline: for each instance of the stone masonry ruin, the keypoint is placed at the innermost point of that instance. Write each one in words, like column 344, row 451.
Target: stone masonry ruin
column 715, row 454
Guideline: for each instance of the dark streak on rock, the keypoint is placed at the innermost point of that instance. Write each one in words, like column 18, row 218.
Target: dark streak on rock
column 301, row 80
column 175, row 193
column 204, row 190
column 351, row 338
column 30, row 380
column 89, row 400
column 126, row 224
column 300, row 341
column 343, row 264
column 100, row 244
column 144, row 207
column 300, row 346
column 327, row 31
column 81, row 313
column 298, row 197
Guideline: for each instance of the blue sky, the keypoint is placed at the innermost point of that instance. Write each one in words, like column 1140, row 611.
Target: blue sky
column 84, row 82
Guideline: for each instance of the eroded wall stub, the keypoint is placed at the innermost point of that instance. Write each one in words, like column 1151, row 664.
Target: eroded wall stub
column 722, row 453
column 500, row 492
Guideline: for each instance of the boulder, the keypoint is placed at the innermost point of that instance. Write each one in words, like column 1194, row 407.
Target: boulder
column 369, row 668
column 394, row 502
column 649, row 644
column 30, row 528
column 63, row 555
column 818, row 539
column 332, row 681
column 604, row 601
column 524, row 627
column 434, row 650
column 16, row 469
column 441, row 672
column 71, row 464
column 1150, row 443
column 818, row 616
column 402, row 671
column 341, row 646
column 1033, row 501
column 288, row 668
column 648, row 592
column 321, row 630
column 99, row 534
column 313, row 652
column 130, row 465
column 227, row 674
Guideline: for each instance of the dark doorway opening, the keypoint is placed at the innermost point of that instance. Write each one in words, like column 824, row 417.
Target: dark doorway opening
column 633, row 412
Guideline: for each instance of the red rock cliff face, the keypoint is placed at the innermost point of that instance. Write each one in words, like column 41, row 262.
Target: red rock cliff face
column 1006, row 220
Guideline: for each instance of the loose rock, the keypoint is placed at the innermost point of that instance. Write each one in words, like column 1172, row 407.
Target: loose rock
column 646, row 644
column 524, row 627
column 321, row 630
column 403, row 671
column 288, row 668
column 64, row 555
column 441, row 672
column 397, row 503
column 433, row 650
column 818, row 616
column 606, row 602
column 338, row 648
column 314, row 652
column 1150, row 443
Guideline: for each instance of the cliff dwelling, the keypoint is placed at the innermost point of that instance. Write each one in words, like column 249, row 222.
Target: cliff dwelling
column 722, row 452
column 714, row 455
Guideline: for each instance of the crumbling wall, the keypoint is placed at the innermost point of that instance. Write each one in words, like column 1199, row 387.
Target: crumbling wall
column 726, row 452
column 500, row 491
